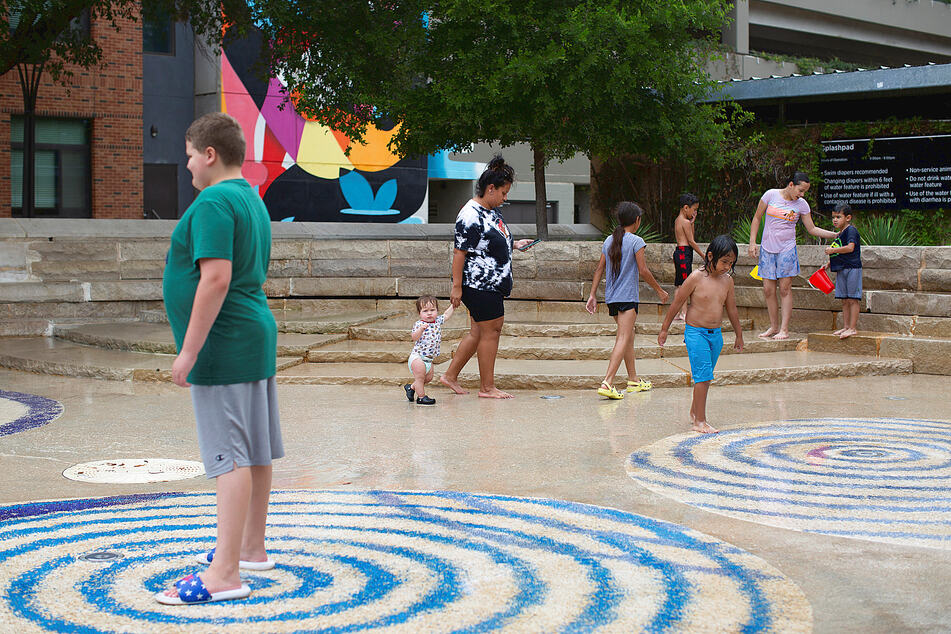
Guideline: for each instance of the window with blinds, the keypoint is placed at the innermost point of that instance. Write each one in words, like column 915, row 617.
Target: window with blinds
column 61, row 168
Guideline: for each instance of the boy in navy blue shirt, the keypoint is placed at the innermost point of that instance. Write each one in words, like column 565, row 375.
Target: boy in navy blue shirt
column 845, row 260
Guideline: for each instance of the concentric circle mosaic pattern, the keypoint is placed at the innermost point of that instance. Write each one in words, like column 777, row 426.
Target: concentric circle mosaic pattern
column 878, row 479
column 400, row 561
column 20, row 411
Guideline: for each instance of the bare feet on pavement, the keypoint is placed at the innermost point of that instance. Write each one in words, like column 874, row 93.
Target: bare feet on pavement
column 766, row 335
column 704, row 427
column 494, row 393
column 453, row 385
column 838, row 332
column 848, row 332
column 782, row 334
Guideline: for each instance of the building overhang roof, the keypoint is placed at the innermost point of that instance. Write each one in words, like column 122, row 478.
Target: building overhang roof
column 883, row 82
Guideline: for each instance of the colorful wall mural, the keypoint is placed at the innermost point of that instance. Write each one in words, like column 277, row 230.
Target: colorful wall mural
column 300, row 167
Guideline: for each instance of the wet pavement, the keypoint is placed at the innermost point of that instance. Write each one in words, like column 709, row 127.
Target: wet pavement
column 575, row 449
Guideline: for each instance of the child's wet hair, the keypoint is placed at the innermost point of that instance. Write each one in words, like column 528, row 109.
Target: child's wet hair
column 220, row 131
column 627, row 214
column 719, row 247
column 844, row 209
column 426, row 300
column 688, row 200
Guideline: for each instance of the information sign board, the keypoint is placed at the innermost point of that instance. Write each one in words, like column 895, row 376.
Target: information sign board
column 891, row 173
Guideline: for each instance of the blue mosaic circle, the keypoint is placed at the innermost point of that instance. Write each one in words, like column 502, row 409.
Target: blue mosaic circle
column 29, row 411
column 881, row 479
column 409, row 561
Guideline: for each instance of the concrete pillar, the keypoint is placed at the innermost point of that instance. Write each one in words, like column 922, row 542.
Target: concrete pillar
column 736, row 34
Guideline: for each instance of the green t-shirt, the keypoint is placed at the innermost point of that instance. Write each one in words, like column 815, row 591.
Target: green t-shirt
column 228, row 221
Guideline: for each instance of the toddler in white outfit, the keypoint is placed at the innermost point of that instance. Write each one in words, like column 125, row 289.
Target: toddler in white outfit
column 427, row 335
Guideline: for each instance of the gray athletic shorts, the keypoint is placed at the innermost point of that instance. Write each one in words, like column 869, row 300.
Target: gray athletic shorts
column 848, row 284
column 238, row 424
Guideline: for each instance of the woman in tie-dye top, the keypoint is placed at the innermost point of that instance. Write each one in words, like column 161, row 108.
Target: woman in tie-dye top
column 482, row 276
column 778, row 259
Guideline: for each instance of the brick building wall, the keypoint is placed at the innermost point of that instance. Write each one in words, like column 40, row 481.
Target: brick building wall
column 110, row 97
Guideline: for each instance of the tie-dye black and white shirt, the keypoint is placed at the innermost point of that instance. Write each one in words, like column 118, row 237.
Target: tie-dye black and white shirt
column 483, row 234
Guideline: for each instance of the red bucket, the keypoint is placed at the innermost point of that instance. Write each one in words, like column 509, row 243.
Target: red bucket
column 821, row 282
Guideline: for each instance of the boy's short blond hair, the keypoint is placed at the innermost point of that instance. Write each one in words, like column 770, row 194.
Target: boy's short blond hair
column 426, row 300
column 222, row 132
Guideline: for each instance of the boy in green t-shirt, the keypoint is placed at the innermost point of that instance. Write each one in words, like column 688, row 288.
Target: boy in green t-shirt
column 226, row 339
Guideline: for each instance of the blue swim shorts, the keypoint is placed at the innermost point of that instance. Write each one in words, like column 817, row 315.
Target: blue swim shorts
column 773, row 266
column 703, row 349
column 848, row 284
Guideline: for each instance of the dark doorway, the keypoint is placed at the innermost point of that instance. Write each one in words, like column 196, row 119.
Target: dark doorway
column 523, row 212
column 160, row 191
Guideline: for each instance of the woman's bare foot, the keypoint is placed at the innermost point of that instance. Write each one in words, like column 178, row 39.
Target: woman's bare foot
column 704, row 427
column 767, row 334
column 453, row 385
column 782, row 334
column 494, row 393
column 838, row 332
column 848, row 332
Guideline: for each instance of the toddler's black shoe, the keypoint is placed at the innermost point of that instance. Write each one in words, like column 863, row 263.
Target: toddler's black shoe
column 410, row 392
column 425, row 400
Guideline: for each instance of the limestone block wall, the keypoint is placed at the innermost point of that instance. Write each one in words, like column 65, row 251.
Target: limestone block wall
column 97, row 268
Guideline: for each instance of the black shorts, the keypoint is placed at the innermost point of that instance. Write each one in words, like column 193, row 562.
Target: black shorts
column 620, row 307
column 483, row 305
column 683, row 264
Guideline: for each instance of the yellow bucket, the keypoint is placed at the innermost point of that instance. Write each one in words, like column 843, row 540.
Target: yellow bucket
column 755, row 273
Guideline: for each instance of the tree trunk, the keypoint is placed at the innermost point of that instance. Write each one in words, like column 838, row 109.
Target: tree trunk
column 29, row 86
column 541, row 198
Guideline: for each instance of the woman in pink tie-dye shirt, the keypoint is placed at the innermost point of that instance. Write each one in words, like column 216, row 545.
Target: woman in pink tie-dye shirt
column 778, row 258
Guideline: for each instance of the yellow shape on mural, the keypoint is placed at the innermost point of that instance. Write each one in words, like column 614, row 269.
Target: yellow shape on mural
column 319, row 153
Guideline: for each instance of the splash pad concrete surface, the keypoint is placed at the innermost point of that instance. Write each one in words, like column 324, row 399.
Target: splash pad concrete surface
column 524, row 515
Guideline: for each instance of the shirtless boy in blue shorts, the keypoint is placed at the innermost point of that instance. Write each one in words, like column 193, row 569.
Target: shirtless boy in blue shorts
column 710, row 289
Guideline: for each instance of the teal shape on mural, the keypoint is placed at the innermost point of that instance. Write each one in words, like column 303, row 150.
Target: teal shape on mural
column 359, row 195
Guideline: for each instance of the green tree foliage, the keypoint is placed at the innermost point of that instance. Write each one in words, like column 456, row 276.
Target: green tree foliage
column 601, row 77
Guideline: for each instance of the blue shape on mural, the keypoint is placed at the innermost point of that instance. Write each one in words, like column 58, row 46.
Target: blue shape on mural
column 441, row 166
column 359, row 194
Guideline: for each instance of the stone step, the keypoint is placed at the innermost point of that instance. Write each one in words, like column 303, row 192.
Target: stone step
column 906, row 303
column 315, row 323
column 579, row 374
column 157, row 338
column 153, row 316
column 55, row 356
column 921, row 326
column 645, row 347
column 929, row 355
column 527, row 324
column 301, row 321
column 359, row 351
